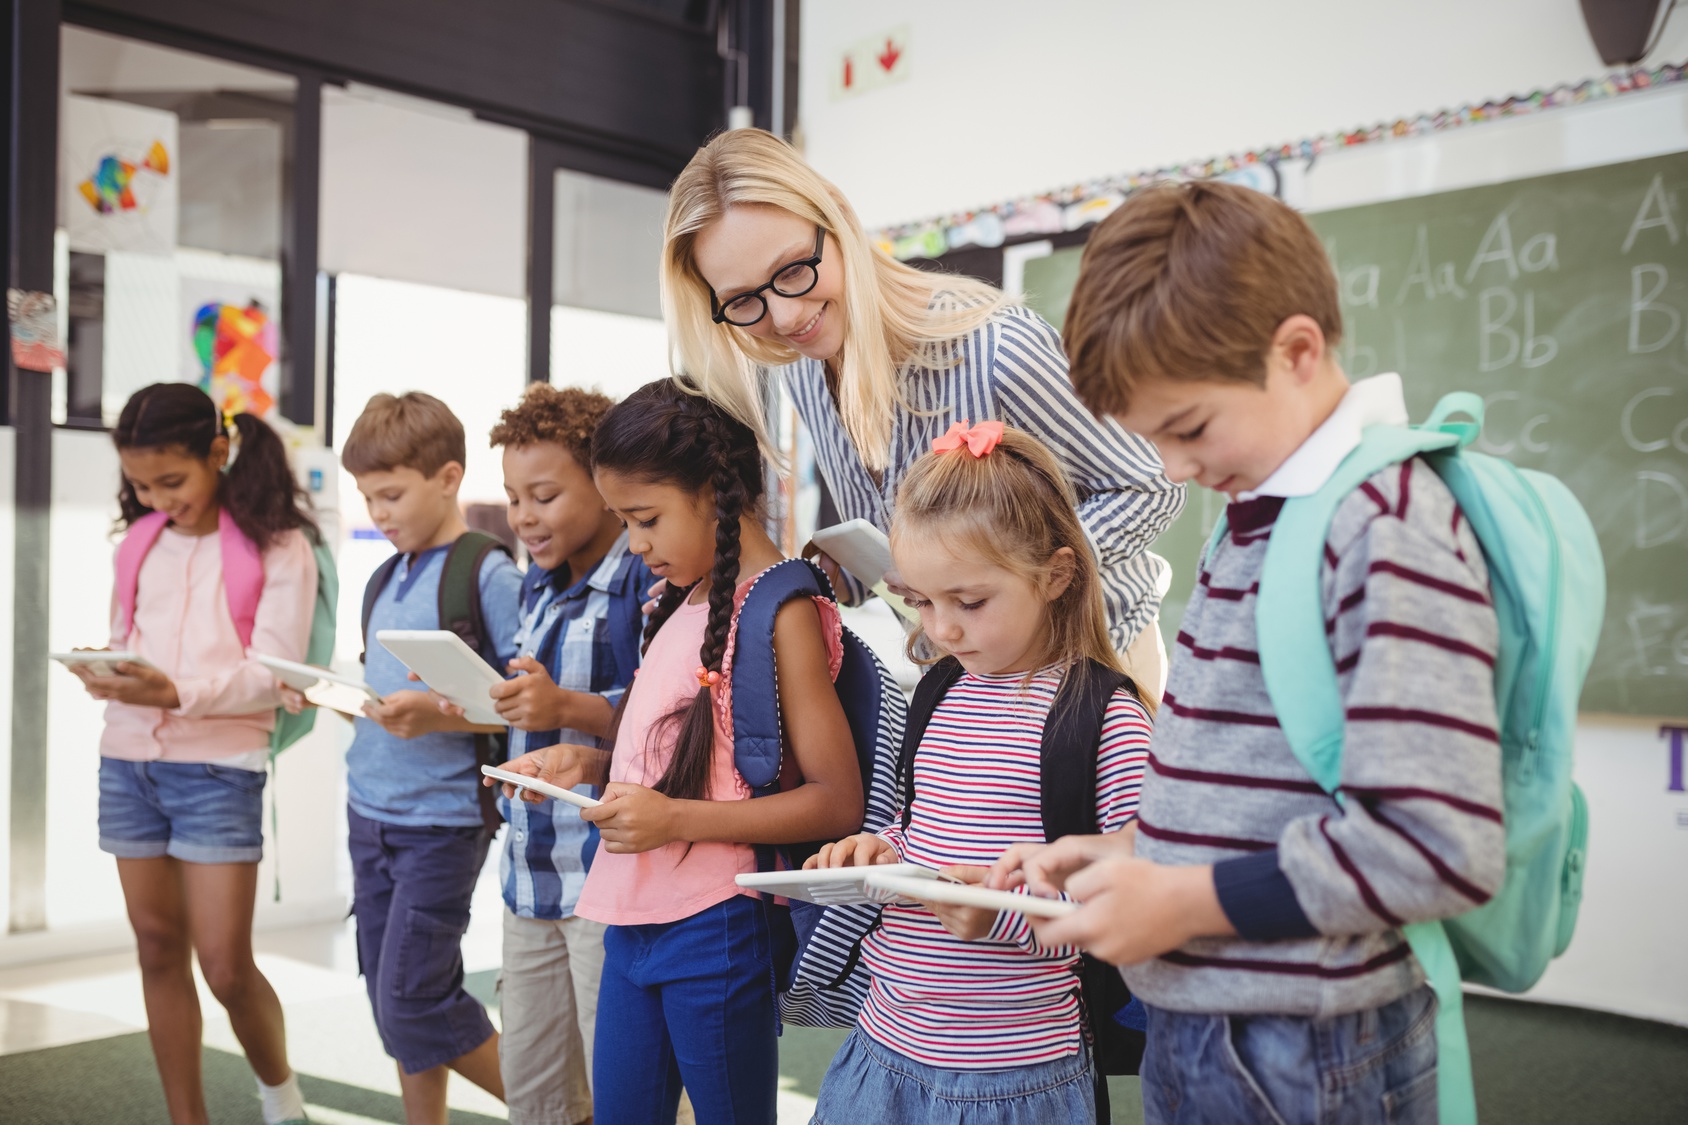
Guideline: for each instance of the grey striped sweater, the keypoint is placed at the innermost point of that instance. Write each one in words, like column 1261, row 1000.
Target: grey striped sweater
column 1319, row 892
column 1012, row 369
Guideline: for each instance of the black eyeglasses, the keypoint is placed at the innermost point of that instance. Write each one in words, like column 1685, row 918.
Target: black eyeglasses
column 791, row 280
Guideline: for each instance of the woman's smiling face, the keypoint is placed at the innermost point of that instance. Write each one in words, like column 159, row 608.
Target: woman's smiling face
column 746, row 247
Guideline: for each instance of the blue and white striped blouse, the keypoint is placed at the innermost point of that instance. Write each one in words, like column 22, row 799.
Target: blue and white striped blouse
column 1012, row 369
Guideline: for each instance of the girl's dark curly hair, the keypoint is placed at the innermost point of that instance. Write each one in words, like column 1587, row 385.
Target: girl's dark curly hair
column 258, row 490
column 665, row 434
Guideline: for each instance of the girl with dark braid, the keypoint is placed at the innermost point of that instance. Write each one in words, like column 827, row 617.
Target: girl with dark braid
column 687, row 995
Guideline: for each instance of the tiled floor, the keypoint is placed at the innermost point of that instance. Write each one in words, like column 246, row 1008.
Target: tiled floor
column 330, row 1033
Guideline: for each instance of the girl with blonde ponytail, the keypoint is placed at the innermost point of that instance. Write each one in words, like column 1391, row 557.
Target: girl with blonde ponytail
column 765, row 265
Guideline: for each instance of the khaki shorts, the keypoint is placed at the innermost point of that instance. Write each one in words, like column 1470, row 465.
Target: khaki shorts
column 548, row 998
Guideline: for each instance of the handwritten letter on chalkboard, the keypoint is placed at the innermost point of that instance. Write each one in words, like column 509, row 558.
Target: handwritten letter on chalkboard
column 1563, row 301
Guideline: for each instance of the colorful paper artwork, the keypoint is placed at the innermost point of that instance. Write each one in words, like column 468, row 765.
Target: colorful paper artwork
column 119, row 176
column 235, row 346
column 1079, row 205
column 111, row 188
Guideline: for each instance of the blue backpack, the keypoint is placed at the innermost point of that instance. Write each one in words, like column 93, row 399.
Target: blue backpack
column 1549, row 589
column 820, row 981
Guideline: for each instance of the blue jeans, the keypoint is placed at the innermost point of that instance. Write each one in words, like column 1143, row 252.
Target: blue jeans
column 688, row 1002
column 868, row 1081
column 410, row 894
column 1372, row 1066
column 197, row 812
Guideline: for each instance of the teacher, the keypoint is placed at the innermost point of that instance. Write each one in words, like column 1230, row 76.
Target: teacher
column 764, row 264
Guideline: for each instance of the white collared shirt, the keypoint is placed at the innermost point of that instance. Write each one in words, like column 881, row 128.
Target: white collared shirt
column 1370, row 402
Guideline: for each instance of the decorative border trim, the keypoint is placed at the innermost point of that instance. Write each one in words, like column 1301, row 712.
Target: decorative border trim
column 1079, row 205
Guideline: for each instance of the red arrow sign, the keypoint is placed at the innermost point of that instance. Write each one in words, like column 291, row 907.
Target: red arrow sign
column 890, row 57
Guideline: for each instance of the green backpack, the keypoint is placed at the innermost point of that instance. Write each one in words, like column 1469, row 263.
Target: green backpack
column 319, row 650
column 1549, row 589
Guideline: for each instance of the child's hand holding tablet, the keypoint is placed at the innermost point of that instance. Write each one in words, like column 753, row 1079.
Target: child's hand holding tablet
column 563, row 766
column 126, row 678
column 450, row 668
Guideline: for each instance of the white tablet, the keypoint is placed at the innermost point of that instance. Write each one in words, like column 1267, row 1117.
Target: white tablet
column 858, row 547
column 301, row 676
column 523, row 781
column 968, row 894
column 97, row 661
column 835, row 886
column 449, row 667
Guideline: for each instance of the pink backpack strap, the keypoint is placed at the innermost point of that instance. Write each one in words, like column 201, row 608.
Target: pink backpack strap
column 243, row 576
column 142, row 534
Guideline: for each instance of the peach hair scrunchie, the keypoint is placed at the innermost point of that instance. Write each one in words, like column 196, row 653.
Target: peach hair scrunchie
column 979, row 440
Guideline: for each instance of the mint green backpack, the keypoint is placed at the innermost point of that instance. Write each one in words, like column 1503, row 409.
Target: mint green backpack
column 1549, row 588
column 319, row 650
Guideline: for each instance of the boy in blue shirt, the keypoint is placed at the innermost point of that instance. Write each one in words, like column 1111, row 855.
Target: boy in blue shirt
column 579, row 645
column 418, row 838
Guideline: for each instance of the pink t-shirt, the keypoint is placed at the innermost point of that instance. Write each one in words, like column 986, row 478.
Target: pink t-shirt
column 182, row 625
column 669, row 883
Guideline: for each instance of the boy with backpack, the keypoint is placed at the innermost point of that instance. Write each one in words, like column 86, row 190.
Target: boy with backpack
column 581, row 626
column 419, row 826
column 1326, row 776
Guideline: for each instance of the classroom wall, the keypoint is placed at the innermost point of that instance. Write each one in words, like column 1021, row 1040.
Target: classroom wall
column 1005, row 99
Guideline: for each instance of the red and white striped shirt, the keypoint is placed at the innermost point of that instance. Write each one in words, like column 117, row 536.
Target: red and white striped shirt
column 1003, row 1001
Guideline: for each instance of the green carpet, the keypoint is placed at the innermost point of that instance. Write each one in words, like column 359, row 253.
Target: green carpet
column 1536, row 1065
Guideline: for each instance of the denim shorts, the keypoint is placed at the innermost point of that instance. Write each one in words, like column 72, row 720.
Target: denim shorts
column 1377, row 1065
column 868, row 1081
column 197, row 812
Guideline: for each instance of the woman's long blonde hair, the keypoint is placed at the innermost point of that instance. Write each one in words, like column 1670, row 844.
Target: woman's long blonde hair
column 1013, row 508
column 891, row 316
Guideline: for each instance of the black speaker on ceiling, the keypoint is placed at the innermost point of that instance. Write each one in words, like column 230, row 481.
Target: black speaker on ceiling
column 1621, row 28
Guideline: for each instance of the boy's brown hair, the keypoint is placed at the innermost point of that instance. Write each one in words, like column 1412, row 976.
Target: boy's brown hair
column 408, row 431
column 565, row 416
column 1189, row 282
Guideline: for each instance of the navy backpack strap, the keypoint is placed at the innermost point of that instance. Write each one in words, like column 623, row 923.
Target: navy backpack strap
column 928, row 693
column 756, row 701
column 1072, row 736
column 371, row 591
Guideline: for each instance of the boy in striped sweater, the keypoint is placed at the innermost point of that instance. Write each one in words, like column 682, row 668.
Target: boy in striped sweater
column 1258, row 920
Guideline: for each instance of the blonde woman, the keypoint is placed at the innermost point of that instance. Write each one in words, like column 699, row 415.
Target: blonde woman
column 764, row 264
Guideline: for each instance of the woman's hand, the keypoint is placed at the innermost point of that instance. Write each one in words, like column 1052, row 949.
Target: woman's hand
column 407, row 714
column 894, row 583
column 829, row 566
column 969, row 923
column 634, row 818
column 562, row 765
column 139, row 684
column 1045, row 868
column 861, row 850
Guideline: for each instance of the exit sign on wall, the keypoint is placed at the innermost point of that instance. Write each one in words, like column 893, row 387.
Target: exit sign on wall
column 871, row 63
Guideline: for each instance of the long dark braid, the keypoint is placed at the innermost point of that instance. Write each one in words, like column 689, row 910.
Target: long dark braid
column 663, row 433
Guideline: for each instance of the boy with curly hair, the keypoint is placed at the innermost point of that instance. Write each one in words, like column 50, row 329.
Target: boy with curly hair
column 578, row 647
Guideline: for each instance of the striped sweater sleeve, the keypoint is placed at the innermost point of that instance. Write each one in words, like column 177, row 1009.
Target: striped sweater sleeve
column 1413, row 631
column 1125, row 498
column 1121, row 760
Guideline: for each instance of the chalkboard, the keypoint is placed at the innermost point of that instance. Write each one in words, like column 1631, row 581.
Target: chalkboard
column 1563, row 300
